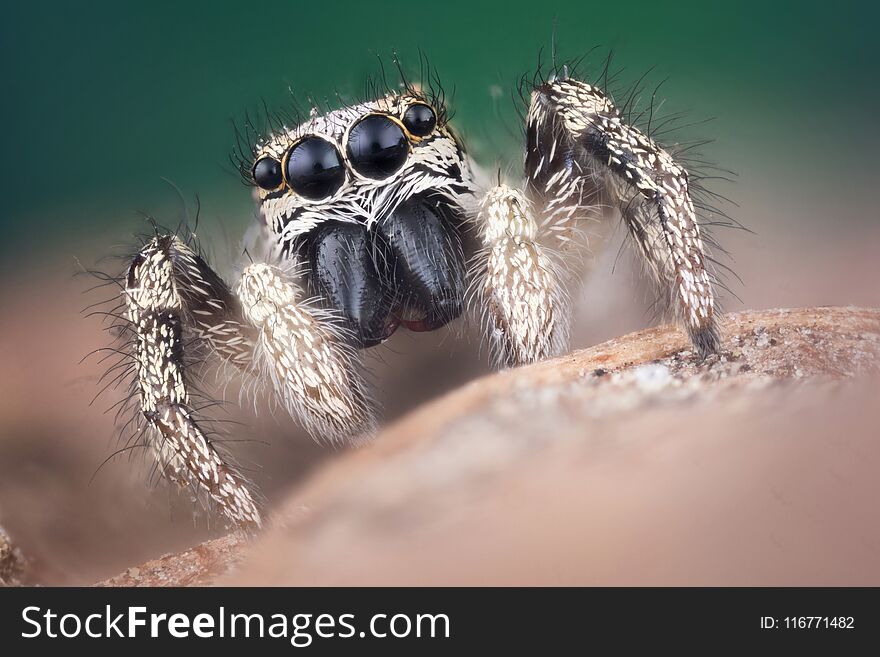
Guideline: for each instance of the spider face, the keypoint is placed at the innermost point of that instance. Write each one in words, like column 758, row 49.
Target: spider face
column 371, row 199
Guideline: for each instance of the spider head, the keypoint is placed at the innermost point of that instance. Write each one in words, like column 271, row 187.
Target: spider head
column 372, row 198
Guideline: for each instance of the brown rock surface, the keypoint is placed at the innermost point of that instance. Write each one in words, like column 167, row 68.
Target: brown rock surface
column 626, row 463
column 12, row 564
column 198, row 566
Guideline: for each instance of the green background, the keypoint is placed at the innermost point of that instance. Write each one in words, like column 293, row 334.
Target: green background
column 102, row 100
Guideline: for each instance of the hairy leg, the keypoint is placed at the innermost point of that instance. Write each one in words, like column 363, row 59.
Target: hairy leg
column 169, row 288
column 516, row 283
column 579, row 148
column 315, row 371
column 179, row 307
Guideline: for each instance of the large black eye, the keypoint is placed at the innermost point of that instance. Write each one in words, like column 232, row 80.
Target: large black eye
column 377, row 146
column 267, row 173
column 420, row 120
column 314, row 169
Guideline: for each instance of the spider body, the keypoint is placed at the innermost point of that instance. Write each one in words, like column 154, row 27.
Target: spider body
column 372, row 218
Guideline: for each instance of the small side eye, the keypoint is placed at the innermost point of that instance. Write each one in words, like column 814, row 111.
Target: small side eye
column 267, row 173
column 314, row 169
column 420, row 120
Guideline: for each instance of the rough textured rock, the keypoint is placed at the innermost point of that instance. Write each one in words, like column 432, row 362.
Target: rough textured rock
column 626, row 463
column 198, row 566
column 12, row 564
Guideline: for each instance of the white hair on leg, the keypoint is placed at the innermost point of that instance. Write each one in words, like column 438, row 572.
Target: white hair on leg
column 184, row 452
column 316, row 374
column 576, row 133
column 517, row 284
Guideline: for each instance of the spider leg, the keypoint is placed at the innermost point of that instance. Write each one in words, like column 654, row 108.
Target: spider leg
column 178, row 306
column 174, row 300
column 579, row 148
column 316, row 372
column 516, row 283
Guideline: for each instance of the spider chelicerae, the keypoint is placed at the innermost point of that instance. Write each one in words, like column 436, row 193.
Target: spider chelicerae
column 372, row 218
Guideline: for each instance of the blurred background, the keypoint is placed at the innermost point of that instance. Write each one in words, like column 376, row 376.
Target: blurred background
column 104, row 103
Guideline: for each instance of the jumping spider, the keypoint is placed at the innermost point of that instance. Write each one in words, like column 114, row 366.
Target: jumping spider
column 372, row 217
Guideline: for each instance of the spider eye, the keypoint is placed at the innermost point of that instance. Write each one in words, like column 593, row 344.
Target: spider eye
column 420, row 120
column 267, row 173
column 314, row 168
column 377, row 146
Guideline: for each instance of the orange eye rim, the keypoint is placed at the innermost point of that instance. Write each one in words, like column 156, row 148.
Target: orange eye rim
column 413, row 137
column 346, row 168
column 410, row 140
column 280, row 185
